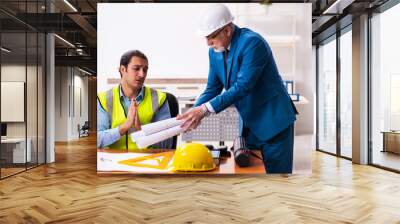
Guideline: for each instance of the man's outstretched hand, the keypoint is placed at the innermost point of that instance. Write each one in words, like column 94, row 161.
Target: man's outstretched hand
column 191, row 118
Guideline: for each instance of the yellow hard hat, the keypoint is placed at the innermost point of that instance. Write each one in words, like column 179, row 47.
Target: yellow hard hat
column 192, row 157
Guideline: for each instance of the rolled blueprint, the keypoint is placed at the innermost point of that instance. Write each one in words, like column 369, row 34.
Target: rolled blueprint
column 136, row 135
column 148, row 140
column 155, row 127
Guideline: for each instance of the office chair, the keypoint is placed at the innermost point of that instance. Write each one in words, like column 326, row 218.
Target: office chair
column 174, row 110
column 84, row 130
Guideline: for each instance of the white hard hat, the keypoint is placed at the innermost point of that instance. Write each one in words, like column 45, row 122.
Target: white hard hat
column 214, row 17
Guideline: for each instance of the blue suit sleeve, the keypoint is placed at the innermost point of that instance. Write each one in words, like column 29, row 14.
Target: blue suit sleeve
column 214, row 86
column 105, row 134
column 162, row 114
column 255, row 58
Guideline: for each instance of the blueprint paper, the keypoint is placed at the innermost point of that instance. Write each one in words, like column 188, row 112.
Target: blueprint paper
column 136, row 135
column 155, row 127
column 145, row 141
column 110, row 162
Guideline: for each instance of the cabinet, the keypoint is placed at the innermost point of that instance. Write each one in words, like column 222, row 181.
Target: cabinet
column 391, row 141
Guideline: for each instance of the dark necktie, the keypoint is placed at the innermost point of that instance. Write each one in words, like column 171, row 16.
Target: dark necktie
column 226, row 52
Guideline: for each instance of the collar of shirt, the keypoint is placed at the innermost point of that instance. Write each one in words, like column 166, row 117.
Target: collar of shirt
column 139, row 97
column 230, row 42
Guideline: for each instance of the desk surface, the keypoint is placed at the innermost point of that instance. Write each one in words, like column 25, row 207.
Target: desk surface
column 13, row 140
column 226, row 166
column 391, row 132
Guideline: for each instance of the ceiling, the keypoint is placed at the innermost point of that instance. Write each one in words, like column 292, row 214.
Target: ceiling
column 75, row 23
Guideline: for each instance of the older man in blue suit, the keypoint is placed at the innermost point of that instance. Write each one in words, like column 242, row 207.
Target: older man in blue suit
column 241, row 62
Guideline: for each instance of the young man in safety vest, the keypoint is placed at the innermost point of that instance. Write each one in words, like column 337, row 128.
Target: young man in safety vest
column 123, row 109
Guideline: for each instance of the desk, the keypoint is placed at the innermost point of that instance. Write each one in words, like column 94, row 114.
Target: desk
column 15, row 148
column 226, row 166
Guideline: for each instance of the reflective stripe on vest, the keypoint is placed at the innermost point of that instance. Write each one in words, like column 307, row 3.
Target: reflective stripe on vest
column 110, row 101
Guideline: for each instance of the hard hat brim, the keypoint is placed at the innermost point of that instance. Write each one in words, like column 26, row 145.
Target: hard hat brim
column 182, row 169
column 206, row 33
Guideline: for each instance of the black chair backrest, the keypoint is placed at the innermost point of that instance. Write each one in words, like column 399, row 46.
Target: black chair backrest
column 173, row 104
column 174, row 110
column 86, row 125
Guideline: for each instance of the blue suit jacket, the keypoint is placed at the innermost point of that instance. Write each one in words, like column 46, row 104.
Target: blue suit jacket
column 252, row 83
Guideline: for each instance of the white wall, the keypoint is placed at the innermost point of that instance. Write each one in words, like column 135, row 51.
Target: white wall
column 67, row 102
column 61, row 103
column 80, row 100
column 15, row 72
column 159, row 31
column 33, row 126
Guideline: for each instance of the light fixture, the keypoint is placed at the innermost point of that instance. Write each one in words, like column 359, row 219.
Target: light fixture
column 84, row 71
column 80, row 51
column 64, row 40
column 70, row 5
column 337, row 7
column 5, row 50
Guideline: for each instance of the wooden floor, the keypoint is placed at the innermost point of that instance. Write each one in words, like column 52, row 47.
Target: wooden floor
column 69, row 191
column 387, row 159
column 5, row 172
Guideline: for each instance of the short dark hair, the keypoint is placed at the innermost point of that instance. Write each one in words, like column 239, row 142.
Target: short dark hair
column 127, row 56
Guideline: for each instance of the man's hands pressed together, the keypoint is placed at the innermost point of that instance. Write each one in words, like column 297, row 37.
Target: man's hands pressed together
column 132, row 120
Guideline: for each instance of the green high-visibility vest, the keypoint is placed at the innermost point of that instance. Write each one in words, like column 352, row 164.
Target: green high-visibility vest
column 111, row 103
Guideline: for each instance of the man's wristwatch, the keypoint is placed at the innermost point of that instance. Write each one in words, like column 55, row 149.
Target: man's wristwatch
column 206, row 112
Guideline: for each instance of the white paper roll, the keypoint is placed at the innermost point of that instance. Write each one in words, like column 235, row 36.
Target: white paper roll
column 158, row 126
column 145, row 141
column 136, row 135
